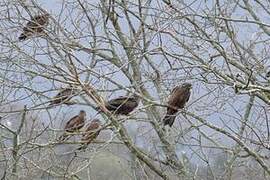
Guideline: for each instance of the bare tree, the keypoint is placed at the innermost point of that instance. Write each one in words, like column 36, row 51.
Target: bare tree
column 106, row 49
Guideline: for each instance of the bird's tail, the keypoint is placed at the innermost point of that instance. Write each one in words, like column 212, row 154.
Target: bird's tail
column 169, row 119
column 22, row 37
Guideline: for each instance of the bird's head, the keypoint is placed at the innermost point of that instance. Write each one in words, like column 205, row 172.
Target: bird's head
column 82, row 113
column 187, row 85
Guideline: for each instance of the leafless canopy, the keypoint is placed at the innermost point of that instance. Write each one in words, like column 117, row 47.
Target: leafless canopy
column 106, row 49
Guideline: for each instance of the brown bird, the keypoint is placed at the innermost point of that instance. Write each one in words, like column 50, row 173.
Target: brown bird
column 73, row 125
column 35, row 26
column 122, row 105
column 63, row 96
column 91, row 133
column 177, row 100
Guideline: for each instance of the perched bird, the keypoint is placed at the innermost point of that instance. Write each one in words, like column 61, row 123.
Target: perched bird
column 63, row 96
column 35, row 26
column 177, row 100
column 73, row 125
column 91, row 133
column 122, row 105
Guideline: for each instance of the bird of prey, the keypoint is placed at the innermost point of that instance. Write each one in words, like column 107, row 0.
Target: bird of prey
column 73, row 125
column 177, row 100
column 122, row 105
column 91, row 133
column 63, row 96
column 35, row 26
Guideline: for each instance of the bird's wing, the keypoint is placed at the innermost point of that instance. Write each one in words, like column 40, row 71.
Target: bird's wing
column 70, row 124
column 64, row 93
column 36, row 22
column 31, row 24
column 178, row 97
column 92, row 127
column 132, row 103
column 91, row 132
column 117, row 101
column 174, row 89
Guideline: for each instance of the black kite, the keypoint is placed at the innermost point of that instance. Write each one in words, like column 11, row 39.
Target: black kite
column 177, row 100
column 91, row 133
column 63, row 96
column 73, row 125
column 122, row 105
column 35, row 26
